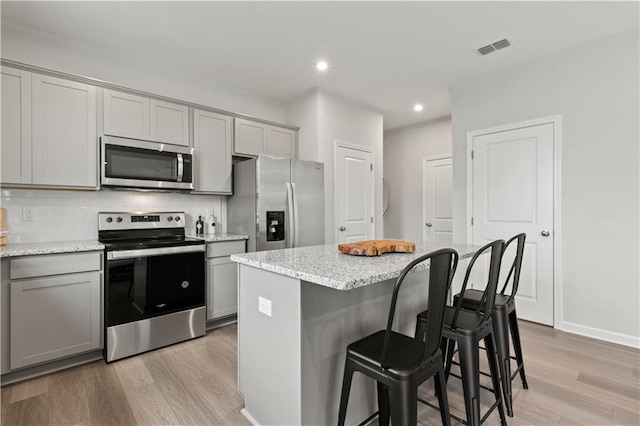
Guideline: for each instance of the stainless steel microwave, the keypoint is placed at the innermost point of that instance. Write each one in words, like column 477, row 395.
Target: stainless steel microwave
column 142, row 164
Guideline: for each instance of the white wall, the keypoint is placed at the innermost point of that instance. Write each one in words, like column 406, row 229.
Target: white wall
column 338, row 119
column 404, row 151
column 595, row 88
column 303, row 112
column 34, row 47
column 73, row 215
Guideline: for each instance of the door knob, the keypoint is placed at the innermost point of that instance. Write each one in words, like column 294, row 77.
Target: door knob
column 429, row 224
column 545, row 233
column 342, row 228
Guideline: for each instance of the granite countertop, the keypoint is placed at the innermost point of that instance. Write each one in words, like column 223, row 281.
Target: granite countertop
column 326, row 266
column 209, row 238
column 29, row 249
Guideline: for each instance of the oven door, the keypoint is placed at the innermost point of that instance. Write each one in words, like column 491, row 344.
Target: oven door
column 146, row 283
column 144, row 164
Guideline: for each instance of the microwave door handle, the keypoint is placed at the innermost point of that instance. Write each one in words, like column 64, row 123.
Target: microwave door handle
column 180, row 167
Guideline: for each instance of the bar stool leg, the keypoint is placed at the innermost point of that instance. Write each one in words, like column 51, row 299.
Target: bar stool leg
column 383, row 404
column 515, row 336
column 489, row 342
column 447, row 346
column 470, row 372
column 441, row 393
column 346, row 388
column 403, row 397
column 501, row 334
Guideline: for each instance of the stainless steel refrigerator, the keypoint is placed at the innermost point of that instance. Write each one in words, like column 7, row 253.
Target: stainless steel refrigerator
column 278, row 202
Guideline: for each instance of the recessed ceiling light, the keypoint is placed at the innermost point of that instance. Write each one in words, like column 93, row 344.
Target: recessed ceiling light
column 418, row 107
column 321, row 65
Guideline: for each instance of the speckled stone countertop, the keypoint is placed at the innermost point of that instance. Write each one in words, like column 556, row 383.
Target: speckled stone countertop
column 325, row 265
column 210, row 238
column 29, row 249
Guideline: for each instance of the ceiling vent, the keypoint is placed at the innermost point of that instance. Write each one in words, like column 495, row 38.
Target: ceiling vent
column 490, row 48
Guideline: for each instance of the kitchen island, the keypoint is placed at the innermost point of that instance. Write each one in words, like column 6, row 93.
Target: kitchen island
column 298, row 309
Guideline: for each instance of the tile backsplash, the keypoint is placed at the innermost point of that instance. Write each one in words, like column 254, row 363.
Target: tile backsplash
column 73, row 215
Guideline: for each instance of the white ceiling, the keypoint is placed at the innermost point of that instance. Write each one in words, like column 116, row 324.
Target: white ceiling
column 388, row 55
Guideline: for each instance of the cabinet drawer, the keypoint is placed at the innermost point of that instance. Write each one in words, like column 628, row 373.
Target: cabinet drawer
column 225, row 248
column 55, row 264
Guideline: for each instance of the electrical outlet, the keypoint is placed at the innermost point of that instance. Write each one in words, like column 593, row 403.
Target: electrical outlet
column 264, row 306
column 28, row 214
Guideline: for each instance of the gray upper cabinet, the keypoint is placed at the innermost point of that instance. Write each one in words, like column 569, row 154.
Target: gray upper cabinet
column 212, row 143
column 49, row 135
column 140, row 117
column 281, row 142
column 64, row 132
column 169, row 122
column 126, row 115
column 16, row 126
column 252, row 138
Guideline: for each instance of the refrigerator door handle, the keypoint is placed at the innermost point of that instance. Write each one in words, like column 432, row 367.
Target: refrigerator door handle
column 295, row 214
column 289, row 243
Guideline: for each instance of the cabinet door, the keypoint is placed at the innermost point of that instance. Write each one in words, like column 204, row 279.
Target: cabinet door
column 250, row 137
column 126, row 115
column 16, row 126
column 54, row 317
column 169, row 122
column 212, row 143
column 64, row 132
column 222, row 290
column 282, row 142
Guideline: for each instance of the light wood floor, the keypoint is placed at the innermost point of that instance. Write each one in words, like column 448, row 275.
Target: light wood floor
column 572, row 380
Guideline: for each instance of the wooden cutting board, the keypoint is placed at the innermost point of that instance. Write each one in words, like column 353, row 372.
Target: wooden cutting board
column 377, row 247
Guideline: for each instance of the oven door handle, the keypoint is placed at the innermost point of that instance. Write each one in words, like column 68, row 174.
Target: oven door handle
column 128, row 254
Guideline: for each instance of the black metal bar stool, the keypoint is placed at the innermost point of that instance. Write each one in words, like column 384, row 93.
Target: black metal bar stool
column 504, row 319
column 467, row 328
column 401, row 363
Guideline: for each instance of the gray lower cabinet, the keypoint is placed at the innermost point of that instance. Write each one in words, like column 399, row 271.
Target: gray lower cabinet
column 55, row 307
column 222, row 287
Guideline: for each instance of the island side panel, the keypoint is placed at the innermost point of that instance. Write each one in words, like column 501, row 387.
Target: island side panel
column 269, row 347
column 331, row 319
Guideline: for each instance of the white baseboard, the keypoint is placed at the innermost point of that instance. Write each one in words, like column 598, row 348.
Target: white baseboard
column 597, row 333
column 249, row 417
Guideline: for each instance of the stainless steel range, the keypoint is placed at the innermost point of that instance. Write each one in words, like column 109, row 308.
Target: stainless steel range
column 154, row 282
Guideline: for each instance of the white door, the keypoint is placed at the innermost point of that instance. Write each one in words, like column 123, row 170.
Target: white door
column 512, row 193
column 354, row 194
column 437, row 207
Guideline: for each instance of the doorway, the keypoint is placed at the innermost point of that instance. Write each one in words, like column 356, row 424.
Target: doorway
column 512, row 185
column 354, row 193
column 437, row 206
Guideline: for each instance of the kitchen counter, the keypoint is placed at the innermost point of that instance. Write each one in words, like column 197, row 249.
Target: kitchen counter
column 210, row 238
column 325, row 265
column 29, row 249
column 299, row 308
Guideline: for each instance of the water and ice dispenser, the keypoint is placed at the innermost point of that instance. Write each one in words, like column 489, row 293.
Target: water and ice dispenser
column 275, row 226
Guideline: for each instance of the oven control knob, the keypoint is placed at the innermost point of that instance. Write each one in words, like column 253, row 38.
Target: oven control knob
column 118, row 219
column 177, row 218
column 169, row 218
column 109, row 219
